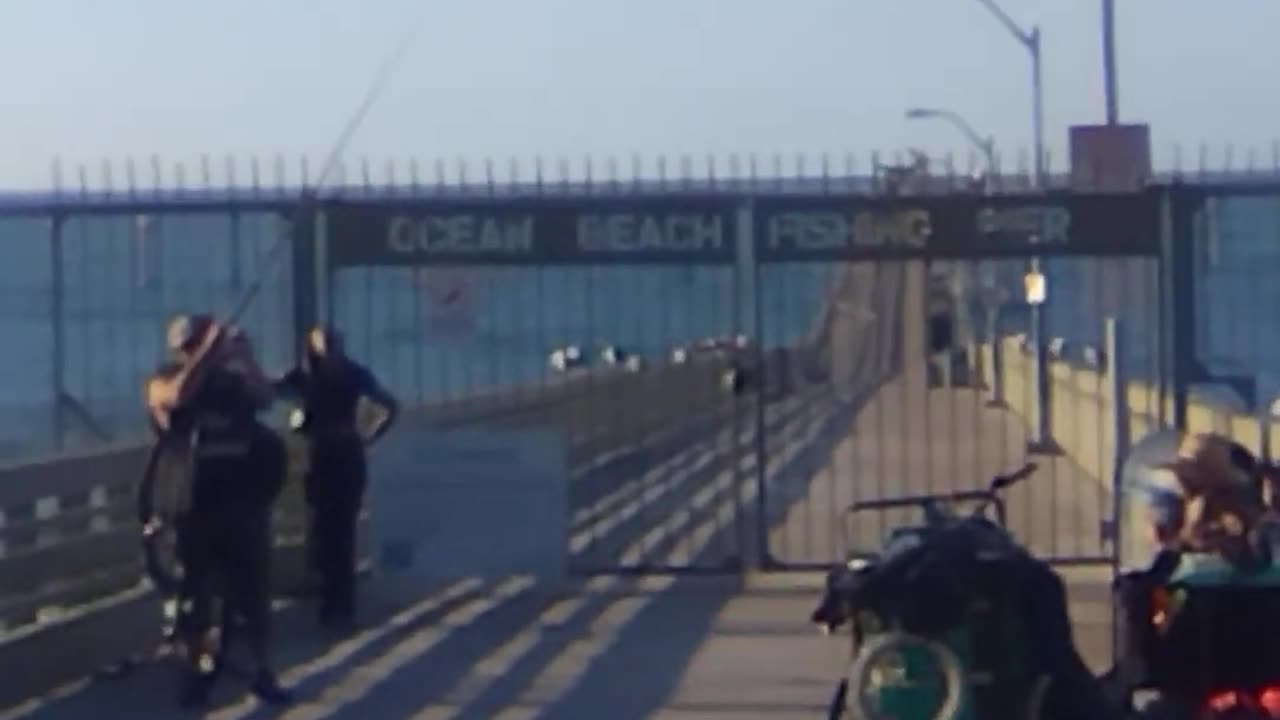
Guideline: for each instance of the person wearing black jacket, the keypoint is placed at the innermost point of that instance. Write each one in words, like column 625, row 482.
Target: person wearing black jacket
column 330, row 386
column 204, row 403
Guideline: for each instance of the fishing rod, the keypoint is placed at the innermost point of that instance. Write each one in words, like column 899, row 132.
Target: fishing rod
column 332, row 160
column 158, row 563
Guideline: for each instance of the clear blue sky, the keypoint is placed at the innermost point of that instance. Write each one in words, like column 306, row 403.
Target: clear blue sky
column 89, row 80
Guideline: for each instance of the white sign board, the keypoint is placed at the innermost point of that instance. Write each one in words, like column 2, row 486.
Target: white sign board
column 1037, row 288
column 475, row 502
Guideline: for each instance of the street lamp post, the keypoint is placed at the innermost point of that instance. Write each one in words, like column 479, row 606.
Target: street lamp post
column 986, row 146
column 990, row 291
column 1030, row 39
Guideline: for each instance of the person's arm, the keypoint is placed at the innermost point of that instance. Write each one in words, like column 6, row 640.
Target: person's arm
column 164, row 394
column 157, row 395
column 375, row 392
column 289, row 385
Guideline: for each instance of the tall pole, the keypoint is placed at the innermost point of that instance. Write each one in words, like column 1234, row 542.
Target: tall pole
column 1040, row 416
column 975, row 276
column 1109, row 61
column 1040, row 432
column 1037, row 104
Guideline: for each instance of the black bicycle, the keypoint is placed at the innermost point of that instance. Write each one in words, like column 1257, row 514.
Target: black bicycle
column 911, row 657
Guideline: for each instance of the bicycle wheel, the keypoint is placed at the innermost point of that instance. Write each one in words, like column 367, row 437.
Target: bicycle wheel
column 160, row 501
column 921, row 679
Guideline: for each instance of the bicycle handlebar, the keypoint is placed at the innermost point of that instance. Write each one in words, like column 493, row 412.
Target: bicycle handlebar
column 1000, row 482
column 916, row 500
column 991, row 495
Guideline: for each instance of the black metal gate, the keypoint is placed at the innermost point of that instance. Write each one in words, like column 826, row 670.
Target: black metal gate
column 921, row 373
column 606, row 322
column 733, row 370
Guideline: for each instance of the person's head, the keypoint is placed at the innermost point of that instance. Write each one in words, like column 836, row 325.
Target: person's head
column 324, row 344
column 1220, row 500
column 185, row 333
column 1210, row 461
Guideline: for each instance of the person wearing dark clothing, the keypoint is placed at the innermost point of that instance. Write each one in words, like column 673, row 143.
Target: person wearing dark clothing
column 207, row 400
column 330, row 386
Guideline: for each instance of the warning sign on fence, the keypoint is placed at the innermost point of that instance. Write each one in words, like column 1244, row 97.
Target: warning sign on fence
column 446, row 297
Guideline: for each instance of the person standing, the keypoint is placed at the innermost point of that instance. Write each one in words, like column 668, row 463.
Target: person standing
column 206, row 400
column 330, row 385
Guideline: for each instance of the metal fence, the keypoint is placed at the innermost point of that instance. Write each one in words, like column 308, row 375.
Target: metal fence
column 91, row 272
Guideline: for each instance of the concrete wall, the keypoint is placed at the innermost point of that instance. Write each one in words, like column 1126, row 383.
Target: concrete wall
column 1083, row 405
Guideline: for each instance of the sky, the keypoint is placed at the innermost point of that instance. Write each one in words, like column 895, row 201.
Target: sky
column 99, row 81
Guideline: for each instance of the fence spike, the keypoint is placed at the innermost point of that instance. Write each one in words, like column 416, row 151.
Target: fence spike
column 255, row 173
column 1251, row 160
column 413, row 174
column 563, row 170
column 131, row 175
column 1275, row 156
column 340, row 180
column 637, row 169
column 461, row 170
column 389, row 180
column 440, row 172
column 179, row 177
column 55, row 173
column 537, row 173
column 366, row 174
column 611, row 167
column 157, row 175
column 83, row 173
column 1204, row 158
column 850, row 165
column 279, row 170
column 513, row 171
column 229, row 167
column 304, row 173
column 1229, row 156
column 489, row 182
column 753, row 169
column 662, row 170
column 106, row 178
column 206, row 172
column 1177, row 160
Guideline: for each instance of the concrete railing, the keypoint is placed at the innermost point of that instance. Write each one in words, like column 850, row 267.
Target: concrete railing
column 1093, row 429
column 73, row 597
